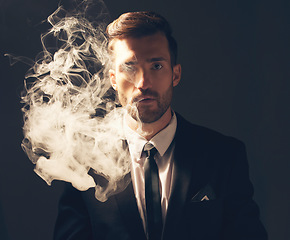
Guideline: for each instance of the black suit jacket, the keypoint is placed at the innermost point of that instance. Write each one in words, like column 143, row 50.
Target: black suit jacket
column 207, row 166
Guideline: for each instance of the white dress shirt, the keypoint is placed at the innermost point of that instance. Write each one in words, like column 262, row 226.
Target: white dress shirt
column 162, row 142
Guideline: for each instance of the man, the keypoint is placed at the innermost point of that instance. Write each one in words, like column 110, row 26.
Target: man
column 203, row 189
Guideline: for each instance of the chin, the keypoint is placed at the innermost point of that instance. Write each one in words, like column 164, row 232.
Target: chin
column 148, row 117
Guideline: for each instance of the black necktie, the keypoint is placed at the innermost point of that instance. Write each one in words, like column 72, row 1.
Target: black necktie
column 152, row 195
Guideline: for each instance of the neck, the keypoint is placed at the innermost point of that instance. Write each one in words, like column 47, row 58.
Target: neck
column 149, row 130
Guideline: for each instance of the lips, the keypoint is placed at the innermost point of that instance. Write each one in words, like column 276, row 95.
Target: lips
column 144, row 99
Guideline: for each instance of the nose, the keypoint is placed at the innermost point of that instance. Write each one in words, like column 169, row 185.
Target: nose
column 143, row 80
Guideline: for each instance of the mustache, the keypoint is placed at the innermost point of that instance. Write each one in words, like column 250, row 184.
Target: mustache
column 145, row 94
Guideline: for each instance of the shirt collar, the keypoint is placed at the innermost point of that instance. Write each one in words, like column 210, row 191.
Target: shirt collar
column 161, row 140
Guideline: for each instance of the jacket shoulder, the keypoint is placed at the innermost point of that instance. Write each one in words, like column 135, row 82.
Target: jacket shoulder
column 193, row 133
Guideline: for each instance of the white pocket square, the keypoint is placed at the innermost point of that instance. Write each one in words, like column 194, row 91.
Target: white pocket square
column 205, row 198
column 205, row 194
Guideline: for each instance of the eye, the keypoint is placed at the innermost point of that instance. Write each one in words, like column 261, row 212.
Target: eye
column 157, row 66
column 127, row 68
column 130, row 68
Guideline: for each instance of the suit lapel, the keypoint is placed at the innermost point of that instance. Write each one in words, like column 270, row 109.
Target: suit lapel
column 130, row 213
column 188, row 174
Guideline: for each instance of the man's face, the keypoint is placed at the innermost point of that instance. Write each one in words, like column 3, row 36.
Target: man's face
column 143, row 76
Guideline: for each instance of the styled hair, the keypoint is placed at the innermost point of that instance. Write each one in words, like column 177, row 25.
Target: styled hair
column 141, row 24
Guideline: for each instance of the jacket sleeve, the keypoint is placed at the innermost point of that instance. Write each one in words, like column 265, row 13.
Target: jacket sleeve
column 241, row 215
column 73, row 221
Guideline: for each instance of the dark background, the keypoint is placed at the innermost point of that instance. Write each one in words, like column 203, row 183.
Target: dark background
column 235, row 58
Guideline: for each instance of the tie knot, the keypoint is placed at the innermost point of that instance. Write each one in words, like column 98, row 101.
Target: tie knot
column 150, row 149
column 148, row 146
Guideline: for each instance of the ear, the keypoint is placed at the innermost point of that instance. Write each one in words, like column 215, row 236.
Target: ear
column 112, row 75
column 176, row 74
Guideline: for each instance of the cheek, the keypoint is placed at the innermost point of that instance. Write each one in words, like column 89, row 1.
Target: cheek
column 164, row 81
column 124, row 85
column 124, row 89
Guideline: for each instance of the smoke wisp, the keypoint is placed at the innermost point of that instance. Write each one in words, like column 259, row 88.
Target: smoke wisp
column 72, row 128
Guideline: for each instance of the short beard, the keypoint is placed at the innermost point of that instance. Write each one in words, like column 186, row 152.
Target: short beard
column 145, row 114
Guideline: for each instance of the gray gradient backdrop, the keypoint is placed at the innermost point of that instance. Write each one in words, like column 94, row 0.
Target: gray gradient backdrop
column 235, row 57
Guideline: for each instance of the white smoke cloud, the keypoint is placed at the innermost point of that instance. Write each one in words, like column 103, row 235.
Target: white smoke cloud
column 72, row 128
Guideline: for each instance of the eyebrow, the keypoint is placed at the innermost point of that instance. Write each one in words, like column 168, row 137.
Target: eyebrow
column 130, row 63
column 155, row 59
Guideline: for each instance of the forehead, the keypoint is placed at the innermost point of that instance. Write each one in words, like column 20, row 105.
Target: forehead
column 139, row 49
